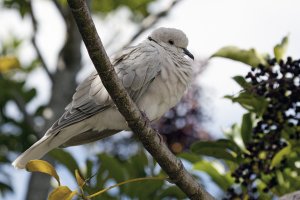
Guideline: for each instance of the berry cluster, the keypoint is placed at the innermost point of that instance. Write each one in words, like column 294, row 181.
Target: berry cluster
column 278, row 83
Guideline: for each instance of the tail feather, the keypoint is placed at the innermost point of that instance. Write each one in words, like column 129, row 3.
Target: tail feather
column 36, row 151
column 51, row 140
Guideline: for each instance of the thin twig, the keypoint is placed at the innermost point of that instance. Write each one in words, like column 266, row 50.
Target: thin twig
column 33, row 39
column 60, row 9
column 151, row 20
column 18, row 99
column 136, row 121
column 125, row 182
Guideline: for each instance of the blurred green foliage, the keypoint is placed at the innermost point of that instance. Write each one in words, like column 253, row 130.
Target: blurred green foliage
column 137, row 7
column 22, row 6
column 259, row 159
column 16, row 133
column 226, row 156
column 106, row 170
column 18, row 128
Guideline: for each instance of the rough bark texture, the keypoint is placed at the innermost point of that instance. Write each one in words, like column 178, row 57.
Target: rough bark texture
column 150, row 139
column 68, row 65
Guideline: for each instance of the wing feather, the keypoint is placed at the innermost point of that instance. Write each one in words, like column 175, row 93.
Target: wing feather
column 135, row 68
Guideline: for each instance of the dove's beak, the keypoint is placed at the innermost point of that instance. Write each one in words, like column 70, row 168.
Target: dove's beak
column 186, row 52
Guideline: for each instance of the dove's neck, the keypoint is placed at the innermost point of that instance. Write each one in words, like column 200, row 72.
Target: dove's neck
column 179, row 67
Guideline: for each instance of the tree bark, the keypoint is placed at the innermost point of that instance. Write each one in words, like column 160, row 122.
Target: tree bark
column 136, row 121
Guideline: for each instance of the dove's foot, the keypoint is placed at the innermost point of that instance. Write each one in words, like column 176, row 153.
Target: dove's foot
column 147, row 121
column 161, row 138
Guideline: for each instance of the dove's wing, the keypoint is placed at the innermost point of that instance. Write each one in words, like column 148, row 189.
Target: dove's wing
column 136, row 67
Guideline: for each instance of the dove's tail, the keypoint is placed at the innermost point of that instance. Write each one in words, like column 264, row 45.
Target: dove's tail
column 36, row 151
column 51, row 140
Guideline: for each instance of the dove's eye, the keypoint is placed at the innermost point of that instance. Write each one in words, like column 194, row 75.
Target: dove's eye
column 171, row 42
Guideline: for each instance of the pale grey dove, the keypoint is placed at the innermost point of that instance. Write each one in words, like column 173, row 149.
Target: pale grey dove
column 155, row 73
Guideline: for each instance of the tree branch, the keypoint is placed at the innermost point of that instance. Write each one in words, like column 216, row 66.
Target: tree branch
column 150, row 139
column 151, row 20
column 33, row 39
column 28, row 118
column 60, row 9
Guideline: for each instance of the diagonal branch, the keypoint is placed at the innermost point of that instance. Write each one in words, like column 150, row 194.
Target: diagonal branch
column 60, row 9
column 150, row 139
column 33, row 39
column 18, row 99
column 151, row 20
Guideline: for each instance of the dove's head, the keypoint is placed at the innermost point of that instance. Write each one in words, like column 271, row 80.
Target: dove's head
column 171, row 37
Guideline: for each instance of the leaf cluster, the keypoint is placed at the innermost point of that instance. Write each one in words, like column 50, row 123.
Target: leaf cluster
column 16, row 131
column 259, row 157
column 136, row 177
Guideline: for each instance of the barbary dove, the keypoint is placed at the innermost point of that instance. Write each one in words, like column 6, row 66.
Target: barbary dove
column 155, row 73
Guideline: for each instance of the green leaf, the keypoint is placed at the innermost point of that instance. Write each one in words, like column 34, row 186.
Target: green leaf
column 280, row 49
column 43, row 167
column 4, row 187
column 255, row 104
column 221, row 143
column 280, row 178
column 246, row 128
column 102, row 175
column 29, row 94
column 189, row 156
column 242, row 82
column 136, row 6
column 89, row 169
column 144, row 190
column 113, row 166
column 22, row 6
column 172, row 191
column 280, row 155
column 222, row 180
column 138, row 162
column 248, row 57
column 100, row 192
column 62, row 193
column 65, row 158
column 214, row 149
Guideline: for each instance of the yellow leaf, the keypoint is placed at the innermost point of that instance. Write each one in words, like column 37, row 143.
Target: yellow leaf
column 79, row 179
column 43, row 167
column 8, row 63
column 62, row 193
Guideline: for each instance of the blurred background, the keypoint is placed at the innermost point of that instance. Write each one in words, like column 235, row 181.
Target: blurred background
column 42, row 59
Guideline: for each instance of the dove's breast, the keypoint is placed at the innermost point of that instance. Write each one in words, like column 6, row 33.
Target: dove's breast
column 163, row 93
